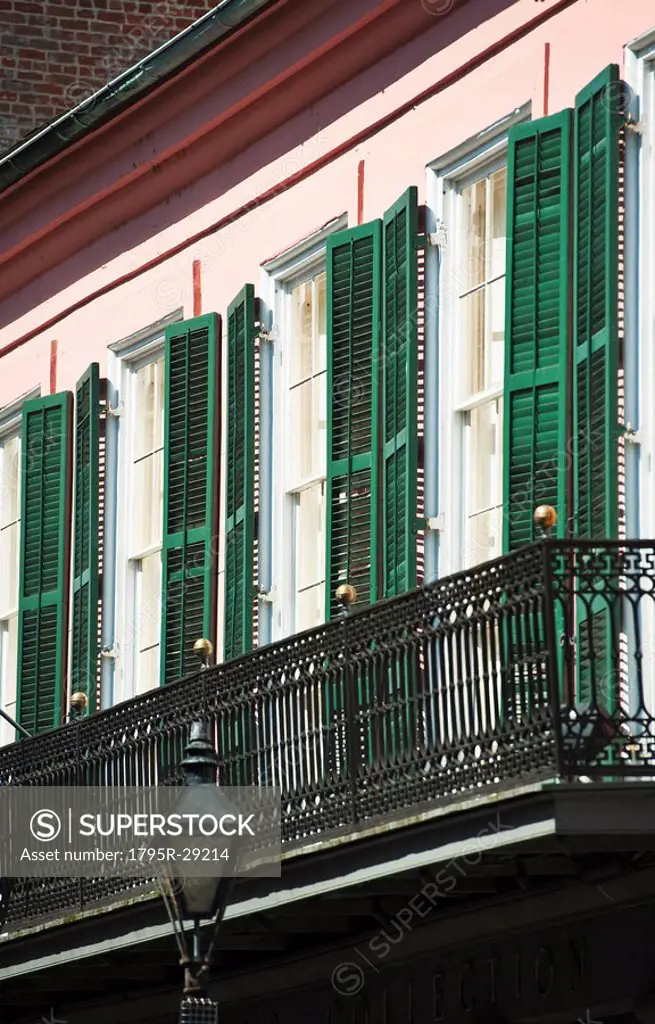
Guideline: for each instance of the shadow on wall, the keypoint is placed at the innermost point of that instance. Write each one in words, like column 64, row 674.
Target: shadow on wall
column 302, row 130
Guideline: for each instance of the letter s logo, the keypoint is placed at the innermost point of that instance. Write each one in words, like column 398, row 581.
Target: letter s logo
column 45, row 825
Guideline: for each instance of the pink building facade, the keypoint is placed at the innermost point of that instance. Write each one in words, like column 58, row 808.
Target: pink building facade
column 242, row 169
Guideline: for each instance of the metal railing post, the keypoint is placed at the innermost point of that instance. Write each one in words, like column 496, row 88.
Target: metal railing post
column 552, row 654
column 346, row 596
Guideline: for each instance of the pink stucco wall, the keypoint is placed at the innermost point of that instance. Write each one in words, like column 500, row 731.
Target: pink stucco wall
column 583, row 39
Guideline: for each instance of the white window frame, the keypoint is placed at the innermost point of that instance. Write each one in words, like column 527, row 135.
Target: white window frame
column 474, row 159
column 11, row 418
column 639, row 305
column 639, row 321
column 279, row 275
column 125, row 358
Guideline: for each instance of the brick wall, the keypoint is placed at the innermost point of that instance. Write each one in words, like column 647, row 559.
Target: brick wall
column 55, row 53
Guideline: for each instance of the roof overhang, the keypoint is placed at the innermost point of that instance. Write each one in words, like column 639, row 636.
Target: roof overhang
column 247, row 87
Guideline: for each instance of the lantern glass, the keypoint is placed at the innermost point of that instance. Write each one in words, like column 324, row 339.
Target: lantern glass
column 201, row 896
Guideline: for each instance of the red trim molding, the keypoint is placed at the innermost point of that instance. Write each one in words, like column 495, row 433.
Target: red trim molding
column 360, row 192
column 197, row 288
column 53, row 367
column 338, row 58
column 348, row 145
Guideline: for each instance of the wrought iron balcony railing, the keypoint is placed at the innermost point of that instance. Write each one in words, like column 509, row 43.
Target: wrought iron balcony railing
column 535, row 666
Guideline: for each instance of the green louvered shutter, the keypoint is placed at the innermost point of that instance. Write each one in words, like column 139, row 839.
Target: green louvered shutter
column 536, row 325
column 595, row 312
column 191, row 491
column 45, row 560
column 353, row 329
column 594, row 682
column 86, row 640
column 399, row 380
column 598, row 121
column 240, row 489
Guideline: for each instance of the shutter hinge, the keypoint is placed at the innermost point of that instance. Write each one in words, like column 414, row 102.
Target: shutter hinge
column 115, row 410
column 439, row 238
column 631, row 436
column 636, row 127
column 435, row 523
column 266, row 596
column 109, row 652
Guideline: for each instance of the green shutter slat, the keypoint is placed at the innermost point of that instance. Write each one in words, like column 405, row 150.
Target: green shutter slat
column 191, row 491
column 595, row 658
column 240, row 489
column 45, row 560
column 598, row 122
column 353, row 340
column 595, row 306
column 399, row 381
column 85, row 610
column 536, row 325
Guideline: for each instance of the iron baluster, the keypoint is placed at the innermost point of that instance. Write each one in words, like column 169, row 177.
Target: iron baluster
column 346, row 596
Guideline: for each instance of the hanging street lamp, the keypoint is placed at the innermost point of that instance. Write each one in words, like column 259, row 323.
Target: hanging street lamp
column 198, row 899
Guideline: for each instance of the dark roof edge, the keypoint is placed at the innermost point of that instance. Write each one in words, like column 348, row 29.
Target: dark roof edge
column 54, row 137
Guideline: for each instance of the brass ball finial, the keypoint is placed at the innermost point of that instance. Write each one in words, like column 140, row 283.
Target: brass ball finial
column 346, row 595
column 79, row 702
column 204, row 649
column 545, row 517
column 203, row 646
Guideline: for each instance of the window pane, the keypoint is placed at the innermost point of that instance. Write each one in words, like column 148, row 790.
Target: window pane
column 149, row 600
column 484, row 537
column 319, row 415
column 148, row 409
column 9, row 641
column 472, row 244
column 320, row 331
column 147, row 670
column 482, row 253
column 483, row 515
column 308, row 431
column 305, row 458
column 484, row 457
column 145, row 497
column 9, row 567
column 310, row 607
column 472, row 309
column 11, row 477
column 300, row 463
column 301, row 332
column 481, row 327
column 307, row 398
column 310, row 537
column 495, row 353
column 147, row 622
column 498, row 223
column 148, row 502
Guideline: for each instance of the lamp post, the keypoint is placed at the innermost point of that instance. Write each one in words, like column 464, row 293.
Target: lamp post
column 196, row 899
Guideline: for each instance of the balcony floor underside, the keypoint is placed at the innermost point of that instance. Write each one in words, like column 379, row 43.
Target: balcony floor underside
column 551, row 854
